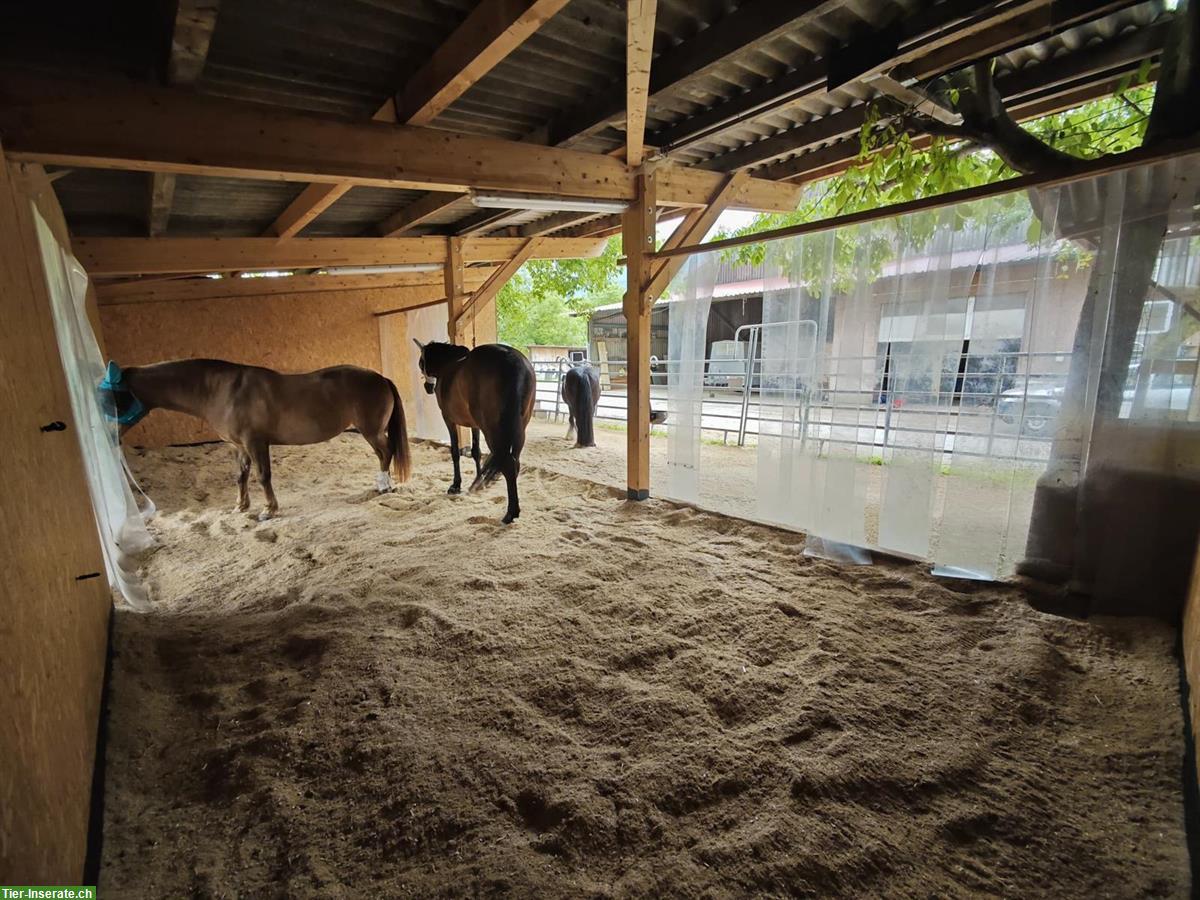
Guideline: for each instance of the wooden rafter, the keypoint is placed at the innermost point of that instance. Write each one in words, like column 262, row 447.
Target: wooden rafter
column 1041, row 90
column 117, row 125
column 639, row 48
column 149, row 290
column 147, row 256
column 847, row 124
column 121, row 125
column 191, row 37
column 695, row 225
column 489, row 289
column 417, row 212
column 1078, row 170
column 948, row 30
column 491, row 31
column 750, row 25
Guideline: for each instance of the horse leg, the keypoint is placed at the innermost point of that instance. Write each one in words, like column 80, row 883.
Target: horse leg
column 475, row 454
column 260, row 452
column 243, row 479
column 379, row 443
column 510, row 467
column 571, row 425
column 456, row 484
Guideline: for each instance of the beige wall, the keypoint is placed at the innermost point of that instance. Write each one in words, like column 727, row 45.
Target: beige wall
column 53, row 627
column 288, row 332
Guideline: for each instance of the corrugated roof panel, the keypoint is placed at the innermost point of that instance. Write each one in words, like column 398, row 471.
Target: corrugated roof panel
column 102, row 202
column 233, row 207
column 358, row 211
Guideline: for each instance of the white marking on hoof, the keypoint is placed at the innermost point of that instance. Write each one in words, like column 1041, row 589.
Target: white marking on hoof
column 266, row 515
column 383, row 482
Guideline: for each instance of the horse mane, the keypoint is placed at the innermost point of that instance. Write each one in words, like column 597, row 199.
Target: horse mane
column 438, row 353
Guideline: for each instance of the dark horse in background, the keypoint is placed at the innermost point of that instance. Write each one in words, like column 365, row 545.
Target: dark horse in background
column 489, row 389
column 581, row 393
column 252, row 408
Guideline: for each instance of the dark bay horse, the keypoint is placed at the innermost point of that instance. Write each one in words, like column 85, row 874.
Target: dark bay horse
column 252, row 408
column 581, row 393
column 489, row 389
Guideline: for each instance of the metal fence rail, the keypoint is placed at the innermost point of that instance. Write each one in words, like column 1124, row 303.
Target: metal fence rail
column 873, row 408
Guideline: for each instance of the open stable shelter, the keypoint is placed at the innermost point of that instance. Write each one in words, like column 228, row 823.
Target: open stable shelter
column 302, row 184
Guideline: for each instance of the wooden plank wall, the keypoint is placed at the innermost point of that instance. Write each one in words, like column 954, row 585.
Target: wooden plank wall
column 1191, row 651
column 289, row 332
column 53, row 627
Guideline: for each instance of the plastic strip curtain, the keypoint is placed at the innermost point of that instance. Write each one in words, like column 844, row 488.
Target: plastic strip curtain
column 690, row 298
column 122, row 526
column 429, row 323
column 920, row 378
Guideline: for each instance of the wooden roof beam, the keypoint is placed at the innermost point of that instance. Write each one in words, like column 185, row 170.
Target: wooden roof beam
column 942, row 56
column 752, row 24
column 639, row 47
column 152, row 290
column 1060, row 84
column 492, row 30
column 117, row 125
column 148, row 256
column 191, row 36
column 121, row 125
column 935, row 27
column 529, row 249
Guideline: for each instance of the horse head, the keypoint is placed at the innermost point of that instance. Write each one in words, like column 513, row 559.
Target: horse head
column 435, row 357
column 117, row 402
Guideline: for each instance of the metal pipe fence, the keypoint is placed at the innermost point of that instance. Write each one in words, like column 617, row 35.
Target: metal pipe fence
column 874, row 408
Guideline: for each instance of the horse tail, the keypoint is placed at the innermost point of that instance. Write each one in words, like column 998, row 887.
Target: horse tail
column 510, row 431
column 397, row 435
column 584, row 412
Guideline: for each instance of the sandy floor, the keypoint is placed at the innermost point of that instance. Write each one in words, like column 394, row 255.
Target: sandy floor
column 397, row 694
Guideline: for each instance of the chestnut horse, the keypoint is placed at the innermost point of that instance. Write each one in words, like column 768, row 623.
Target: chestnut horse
column 252, row 408
column 489, row 389
column 581, row 393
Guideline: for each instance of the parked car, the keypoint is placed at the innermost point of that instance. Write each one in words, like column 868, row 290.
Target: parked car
column 1042, row 401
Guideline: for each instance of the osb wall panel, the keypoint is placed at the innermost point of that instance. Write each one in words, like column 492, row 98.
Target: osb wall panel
column 1191, row 651
column 288, row 332
column 53, row 627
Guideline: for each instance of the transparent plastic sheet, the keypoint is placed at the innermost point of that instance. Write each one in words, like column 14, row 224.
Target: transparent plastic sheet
column 119, row 520
column 691, row 298
column 965, row 358
column 429, row 323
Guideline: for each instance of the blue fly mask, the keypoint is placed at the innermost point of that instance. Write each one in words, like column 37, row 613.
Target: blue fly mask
column 116, row 400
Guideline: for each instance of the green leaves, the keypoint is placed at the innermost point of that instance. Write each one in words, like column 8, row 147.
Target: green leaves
column 891, row 170
column 547, row 301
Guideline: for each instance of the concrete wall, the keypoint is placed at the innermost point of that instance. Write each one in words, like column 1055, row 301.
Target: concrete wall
column 53, row 625
column 289, row 332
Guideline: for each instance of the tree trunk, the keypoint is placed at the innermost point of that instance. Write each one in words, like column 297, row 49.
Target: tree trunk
column 1057, row 544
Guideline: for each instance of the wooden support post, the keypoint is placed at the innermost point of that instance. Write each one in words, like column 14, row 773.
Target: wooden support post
column 638, row 237
column 454, row 274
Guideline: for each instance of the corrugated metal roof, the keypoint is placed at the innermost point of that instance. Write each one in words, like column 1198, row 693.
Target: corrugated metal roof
column 347, row 57
column 359, row 211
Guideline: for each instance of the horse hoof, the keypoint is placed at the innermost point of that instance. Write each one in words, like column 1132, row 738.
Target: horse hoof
column 241, row 509
column 266, row 515
column 453, row 489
